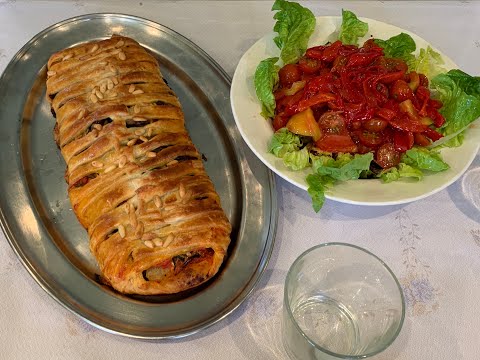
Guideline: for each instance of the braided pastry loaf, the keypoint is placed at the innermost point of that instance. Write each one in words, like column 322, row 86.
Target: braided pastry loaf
column 135, row 180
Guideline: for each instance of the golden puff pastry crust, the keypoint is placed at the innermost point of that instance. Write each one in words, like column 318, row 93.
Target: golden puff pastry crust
column 135, row 180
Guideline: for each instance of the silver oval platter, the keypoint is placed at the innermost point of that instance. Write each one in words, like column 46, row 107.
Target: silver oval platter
column 35, row 211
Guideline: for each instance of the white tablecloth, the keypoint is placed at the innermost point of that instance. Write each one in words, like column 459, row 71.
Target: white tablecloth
column 432, row 245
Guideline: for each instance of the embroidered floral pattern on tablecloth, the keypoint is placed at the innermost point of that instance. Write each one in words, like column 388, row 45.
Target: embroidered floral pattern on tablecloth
column 421, row 296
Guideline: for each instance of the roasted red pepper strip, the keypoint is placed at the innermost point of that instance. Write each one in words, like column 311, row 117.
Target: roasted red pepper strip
column 406, row 124
column 336, row 143
column 438, row 119
column 362, row 59
column 432, row 134
column 288, row 103
column 316, row 99
column 331, row 52
column 386, row 114
column 403, row 140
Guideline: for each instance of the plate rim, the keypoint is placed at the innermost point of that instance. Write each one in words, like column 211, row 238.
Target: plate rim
column 266, row 252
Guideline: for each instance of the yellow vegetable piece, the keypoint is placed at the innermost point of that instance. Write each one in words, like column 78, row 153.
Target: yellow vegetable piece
column 304, row 124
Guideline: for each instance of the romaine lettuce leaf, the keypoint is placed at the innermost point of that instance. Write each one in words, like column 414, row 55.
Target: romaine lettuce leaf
column 402, row 170
column 344, row 167
column 288, row 146
column 327, row 170
column 424, row 159
column 469, row 84
column 317, row 186
column 294, row 26
column 284, row 141
column 351, row 28
column 451, row 142
column 460, row 95
column 400, row 46
column 428, row 62
column 297, row 160
column 265, row 81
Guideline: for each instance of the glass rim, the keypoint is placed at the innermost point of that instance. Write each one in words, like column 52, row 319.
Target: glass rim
column 312, row 342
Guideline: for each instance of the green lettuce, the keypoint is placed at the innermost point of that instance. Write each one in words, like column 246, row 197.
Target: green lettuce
column 469, row 84
column 344, row 167
column 327, row 170
column 284, row 141
column 424, row 159
column 288, row 146
column 297, row 160
column 265, row 81
column 294, row 26
column 460, row 95
column 428, row 62
column 318, row 185
column 402, row 170
column 451, row 142
column 400, row 46
column 351, row 28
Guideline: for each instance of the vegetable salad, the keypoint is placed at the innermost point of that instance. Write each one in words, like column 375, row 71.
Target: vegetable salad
column 348, row 110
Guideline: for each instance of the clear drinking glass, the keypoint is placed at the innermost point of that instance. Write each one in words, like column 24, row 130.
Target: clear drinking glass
column 340, row 302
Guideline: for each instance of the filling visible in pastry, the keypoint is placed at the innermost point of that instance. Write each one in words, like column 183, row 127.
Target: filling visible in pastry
column 190, row 268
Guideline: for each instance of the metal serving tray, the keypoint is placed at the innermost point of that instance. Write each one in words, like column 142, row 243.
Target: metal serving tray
column 36, row 215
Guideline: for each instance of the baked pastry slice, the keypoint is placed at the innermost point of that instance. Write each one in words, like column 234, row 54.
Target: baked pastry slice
column 135, row 180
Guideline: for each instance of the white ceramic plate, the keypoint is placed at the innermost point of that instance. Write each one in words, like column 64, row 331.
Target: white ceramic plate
column 257, row 132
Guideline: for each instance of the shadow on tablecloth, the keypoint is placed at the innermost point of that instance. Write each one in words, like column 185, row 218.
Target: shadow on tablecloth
column 258, row 331
column 465, row 193
column 300, row 205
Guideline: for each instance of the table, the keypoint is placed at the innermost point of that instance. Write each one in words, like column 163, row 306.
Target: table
column 432, row 245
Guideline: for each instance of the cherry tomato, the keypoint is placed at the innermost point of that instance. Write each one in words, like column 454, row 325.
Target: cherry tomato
column 386, row 156
column 370, row 139
column 288, row 75
column 375, row 125
column 332, row 122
